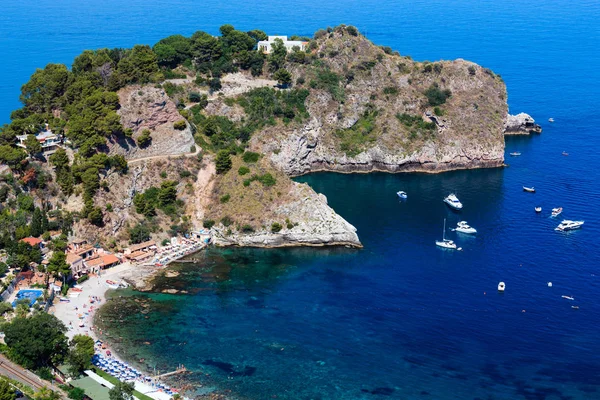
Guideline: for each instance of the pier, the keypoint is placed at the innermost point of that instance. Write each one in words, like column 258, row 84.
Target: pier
column 180, row 370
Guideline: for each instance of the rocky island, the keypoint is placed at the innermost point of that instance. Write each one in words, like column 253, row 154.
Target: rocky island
column 207, row 131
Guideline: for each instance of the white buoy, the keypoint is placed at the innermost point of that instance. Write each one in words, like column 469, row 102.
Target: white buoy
column 549, row 284
column 501, row 287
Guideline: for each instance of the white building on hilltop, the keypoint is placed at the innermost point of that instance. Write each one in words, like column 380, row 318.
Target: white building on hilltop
column 266, row 45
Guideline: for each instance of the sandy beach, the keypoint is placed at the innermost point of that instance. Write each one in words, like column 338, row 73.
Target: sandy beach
column 80, row 310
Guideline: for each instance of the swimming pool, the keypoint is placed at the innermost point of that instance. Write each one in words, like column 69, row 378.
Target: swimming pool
column 31, row 294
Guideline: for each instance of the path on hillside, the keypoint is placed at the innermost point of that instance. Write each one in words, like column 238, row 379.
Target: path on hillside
column 198, row 150
column 26, row 377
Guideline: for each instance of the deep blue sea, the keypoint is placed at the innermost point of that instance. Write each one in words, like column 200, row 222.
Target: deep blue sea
column 399, row 319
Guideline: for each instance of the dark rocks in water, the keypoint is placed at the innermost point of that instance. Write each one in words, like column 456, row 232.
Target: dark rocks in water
column 229, row 369
column 414, row 360
column 383, row 391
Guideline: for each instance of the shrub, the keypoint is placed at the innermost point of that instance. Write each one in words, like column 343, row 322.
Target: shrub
column 387, row 49
column 471, row 70
column 194, row 97
column 184, row 174
column 300, row 80
column 276, row 227
column 163, row 174
column 215, row 85
column 179, row 125
column 223, row 162
column 226, row 221
column 289, row 223
column 144, row 139
column 352, row 30
column 267, row 179
column 250, row 157
column 83, row 278
column 109, row 207
column 243, row 170
column 208, row 223
column 390, row 90
column 247, row 228
column 438, row 111
column 437, row 96
column 225, row 198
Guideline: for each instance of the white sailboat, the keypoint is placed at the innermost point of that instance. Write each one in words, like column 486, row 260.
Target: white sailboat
column 446, row 243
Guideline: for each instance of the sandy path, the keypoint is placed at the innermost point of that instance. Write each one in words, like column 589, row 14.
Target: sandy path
column 203, row 189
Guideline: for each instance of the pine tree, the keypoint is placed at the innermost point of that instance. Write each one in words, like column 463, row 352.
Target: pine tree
column 36, row 223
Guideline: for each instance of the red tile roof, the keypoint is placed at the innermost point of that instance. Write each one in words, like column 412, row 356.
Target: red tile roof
column 32, row 241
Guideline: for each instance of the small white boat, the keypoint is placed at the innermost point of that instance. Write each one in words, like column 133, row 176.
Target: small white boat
column 402, row 195
column 446, row 243
column 550, row 119
column 568, row 297
column 538, row 209
column 556, row 211
column 501, row 286
column 453, row 202
column 564, row 153
column 463, row 227
column 515, row 154
column 568, row 225
column 529, row 189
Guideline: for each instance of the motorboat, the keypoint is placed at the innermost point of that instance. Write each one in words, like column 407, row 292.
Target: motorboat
column 550, row 119
column 453, row 202
column 568, row 225
column 463, row 227
column 402, row 195
column 538, row 209
column 529, row 189
column 568, row 297
column 515, row 154
column 446, row 243
column 564, row 153
column 556, row 211
column 501, row 286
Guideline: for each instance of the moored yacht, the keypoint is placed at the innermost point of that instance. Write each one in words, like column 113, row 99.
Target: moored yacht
column 538, row 209
column 568, row 225
column 463, row 227
column 446, row 243
column 453, row 201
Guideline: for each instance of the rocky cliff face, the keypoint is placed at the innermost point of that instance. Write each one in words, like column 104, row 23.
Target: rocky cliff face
column 469, row 125
column 311, row 223
column 147, row 107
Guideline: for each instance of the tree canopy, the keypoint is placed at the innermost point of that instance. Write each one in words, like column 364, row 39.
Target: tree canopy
column 36, row 341
column 80, row 353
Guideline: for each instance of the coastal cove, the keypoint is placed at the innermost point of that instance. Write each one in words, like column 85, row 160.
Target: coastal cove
column 383, row 314
column 425, row 319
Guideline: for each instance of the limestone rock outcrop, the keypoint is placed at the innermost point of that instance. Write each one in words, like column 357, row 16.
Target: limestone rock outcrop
column 147, row 107
column 311, row 223
column 520, row 124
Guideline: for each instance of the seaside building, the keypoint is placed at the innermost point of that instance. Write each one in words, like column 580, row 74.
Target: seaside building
column 141, row 252
column 50, row 142
column 97, row 263
column 266, row 45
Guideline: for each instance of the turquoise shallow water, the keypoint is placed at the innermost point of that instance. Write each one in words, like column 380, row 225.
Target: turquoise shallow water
column 399, row 319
